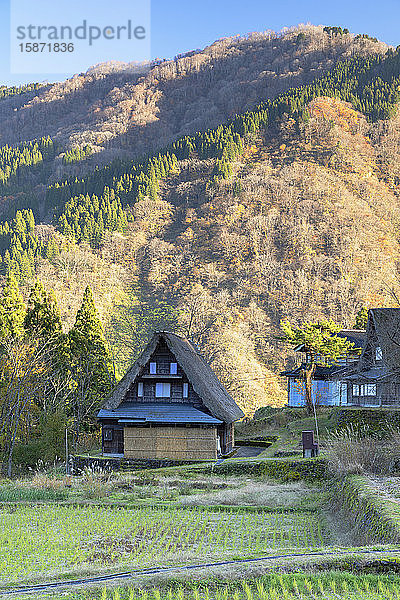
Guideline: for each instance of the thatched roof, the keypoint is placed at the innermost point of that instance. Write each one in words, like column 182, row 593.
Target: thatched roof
column 203, row 379
column 383, row 330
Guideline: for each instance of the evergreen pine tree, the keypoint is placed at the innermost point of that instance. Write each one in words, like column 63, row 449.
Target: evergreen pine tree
column 43, row 315
column 90, row 354
column 361, row 319
column 12, row 310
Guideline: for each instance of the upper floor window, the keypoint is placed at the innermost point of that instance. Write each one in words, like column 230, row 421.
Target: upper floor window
column 153, row 368
column 378, row 353
column 140, row 389
column 173, row 368
column 185, row 391
column 163, row 390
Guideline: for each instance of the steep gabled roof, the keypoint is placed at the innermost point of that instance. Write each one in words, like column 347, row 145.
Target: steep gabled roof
column 203, row 379
column 383, row 330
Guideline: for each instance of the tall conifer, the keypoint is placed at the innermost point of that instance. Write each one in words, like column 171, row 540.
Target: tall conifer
column 43, row 315
column 90, row 354
column 12, row 310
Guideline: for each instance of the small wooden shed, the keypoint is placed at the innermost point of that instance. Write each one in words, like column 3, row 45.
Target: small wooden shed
column 170, row 405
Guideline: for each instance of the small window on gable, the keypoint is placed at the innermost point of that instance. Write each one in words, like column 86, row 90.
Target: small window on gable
column 163, row 390
column 140, row 389
column 153, row 368
column 173, row 368
column 185, row 391
column 378, row 353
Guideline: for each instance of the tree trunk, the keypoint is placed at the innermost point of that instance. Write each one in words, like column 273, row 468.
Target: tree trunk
column 308, row 375
column 11, row 448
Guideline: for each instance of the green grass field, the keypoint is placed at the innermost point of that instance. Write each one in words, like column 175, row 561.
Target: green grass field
column 53, row 538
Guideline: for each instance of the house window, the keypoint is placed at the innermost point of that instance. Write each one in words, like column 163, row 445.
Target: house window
column 185, row 391
column 140, row 389
column 378, row 353
column 367, row 389
column 370, row 389
column 108, row 435
column 173, row 368
column 163, row 390
column 153, row 368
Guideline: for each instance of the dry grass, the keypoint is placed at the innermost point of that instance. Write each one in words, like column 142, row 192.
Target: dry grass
column 352, row 452
column 46, row 482
column 253, row 493
column 95, row 483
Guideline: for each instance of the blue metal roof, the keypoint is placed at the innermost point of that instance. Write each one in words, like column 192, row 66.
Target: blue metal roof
column 375, row 373
column 322, row 372
column 157, row 412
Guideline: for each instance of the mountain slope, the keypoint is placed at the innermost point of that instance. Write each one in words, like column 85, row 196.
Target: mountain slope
column 119, row 109
column 308, row 227
column 290, row 210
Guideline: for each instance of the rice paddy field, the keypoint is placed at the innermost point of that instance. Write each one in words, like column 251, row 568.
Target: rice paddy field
column 35, row 540
column 333, row 585
column 107, row 524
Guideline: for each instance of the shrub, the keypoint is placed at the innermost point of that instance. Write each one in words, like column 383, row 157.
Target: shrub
column 47, row 447
column 308, row 469
column 10, row 493
column 95, row 482
column 368, row 421
column 356, row 451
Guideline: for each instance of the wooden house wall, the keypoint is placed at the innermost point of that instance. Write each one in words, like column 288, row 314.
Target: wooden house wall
column 325, row 393
column 115, row 431
column 226, row 436
column 175, row 443
column 387, row 394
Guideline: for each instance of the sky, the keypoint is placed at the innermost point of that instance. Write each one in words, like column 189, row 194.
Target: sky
column 179, row 26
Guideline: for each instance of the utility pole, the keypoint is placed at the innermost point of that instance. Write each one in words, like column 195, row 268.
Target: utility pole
column 66, row 452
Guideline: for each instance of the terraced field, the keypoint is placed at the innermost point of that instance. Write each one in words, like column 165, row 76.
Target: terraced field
column 53, row 538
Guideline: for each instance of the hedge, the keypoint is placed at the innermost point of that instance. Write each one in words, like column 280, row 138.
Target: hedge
column 265, row 443
column 79, row 463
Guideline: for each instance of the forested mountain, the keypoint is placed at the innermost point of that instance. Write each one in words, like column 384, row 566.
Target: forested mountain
column 142, row 109
column 252, row 181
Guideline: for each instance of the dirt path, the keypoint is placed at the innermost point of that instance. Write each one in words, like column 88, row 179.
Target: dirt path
column 248, row 451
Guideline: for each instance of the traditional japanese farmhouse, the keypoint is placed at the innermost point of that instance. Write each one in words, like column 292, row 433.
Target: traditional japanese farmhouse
column 329, row 388
column 169, row 405
column 375, row 379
